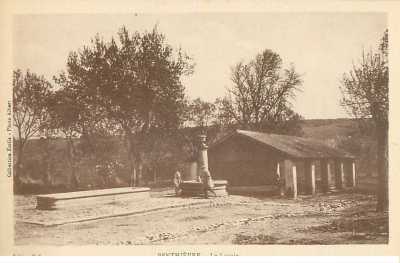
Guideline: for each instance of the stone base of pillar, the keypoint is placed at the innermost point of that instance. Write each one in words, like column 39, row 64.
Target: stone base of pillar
column 193, row 188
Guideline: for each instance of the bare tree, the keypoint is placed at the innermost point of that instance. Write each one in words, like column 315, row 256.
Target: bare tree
column 261, row 93
column 365, row 95
column 29, row 110
column 201, row 113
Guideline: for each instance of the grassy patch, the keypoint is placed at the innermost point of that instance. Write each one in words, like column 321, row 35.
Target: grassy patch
column 371, row 225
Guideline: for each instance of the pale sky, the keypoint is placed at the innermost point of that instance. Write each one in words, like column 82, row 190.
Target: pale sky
column 322, row 46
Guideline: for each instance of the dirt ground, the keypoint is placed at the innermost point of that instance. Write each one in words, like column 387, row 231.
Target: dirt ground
column 344, row 218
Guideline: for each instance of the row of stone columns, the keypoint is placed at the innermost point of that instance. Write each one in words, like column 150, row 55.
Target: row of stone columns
column 335, row 174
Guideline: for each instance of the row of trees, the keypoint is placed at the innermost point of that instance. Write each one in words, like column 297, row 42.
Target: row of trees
column 131, row 87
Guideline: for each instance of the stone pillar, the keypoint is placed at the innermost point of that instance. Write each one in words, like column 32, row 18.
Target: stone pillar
column 290, row 175
column 280, row 173
column 339, row 174
column 348, row 173
column 202, row 159
column 313, row 189
column 310, row 177
column 331, row 176
column 324, row 176
column 353, row 174
column 341, row 177
column 294, row 180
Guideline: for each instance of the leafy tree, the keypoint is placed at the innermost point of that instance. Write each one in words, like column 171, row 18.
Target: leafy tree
column 365, row 95
column 29, row 110
column 135, row 82
column 261, row 92
column 64, row 112
column 47, row 161
column 77, row 115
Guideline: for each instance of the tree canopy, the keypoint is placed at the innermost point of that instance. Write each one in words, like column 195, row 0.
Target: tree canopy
column 133, row 82
column 365, row 88
column 30, row 93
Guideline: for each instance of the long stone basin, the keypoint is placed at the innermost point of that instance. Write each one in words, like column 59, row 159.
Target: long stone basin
column 194, row 188
column 81, row 198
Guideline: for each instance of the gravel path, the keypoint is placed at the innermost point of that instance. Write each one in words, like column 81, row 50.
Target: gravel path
column 26, row 209
column 230, row 220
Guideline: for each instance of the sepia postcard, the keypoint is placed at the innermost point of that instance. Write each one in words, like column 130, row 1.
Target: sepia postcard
column 187, row 128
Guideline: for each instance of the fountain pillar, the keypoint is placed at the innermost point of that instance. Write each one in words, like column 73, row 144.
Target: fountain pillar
column 202, row 159
column 190, row 188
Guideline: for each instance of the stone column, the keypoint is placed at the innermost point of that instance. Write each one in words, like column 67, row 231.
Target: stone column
column 341, row 177
column 313, row 188
column 353, row 174
column 348, row 173
column 280, row 172
column 331, row 176
column 310, row 177
column 202, row 159
column 290, row 175
column 294, row 180
column 339, row 174
column 324, row 176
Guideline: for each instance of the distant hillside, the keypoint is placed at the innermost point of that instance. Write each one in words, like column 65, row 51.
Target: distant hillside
column 329, row 128
column 348, row 134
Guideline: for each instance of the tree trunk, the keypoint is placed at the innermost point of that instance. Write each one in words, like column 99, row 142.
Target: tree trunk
column 139, row 164
column 47, row 177
column 155, row 174
column 382, row 163
column 132, row 169
column 74, row 180
column 20, row 156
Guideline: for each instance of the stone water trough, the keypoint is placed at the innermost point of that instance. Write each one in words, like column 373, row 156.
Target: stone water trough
column 194, row 188
column 82, row 198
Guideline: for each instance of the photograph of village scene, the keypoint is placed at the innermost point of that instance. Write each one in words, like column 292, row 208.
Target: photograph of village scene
column 201, row 128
